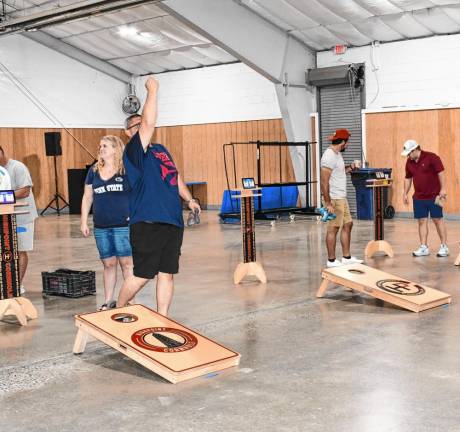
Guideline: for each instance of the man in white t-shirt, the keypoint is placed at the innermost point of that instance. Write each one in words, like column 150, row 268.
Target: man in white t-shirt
column 5, row 180
column 21, row 183
column 334, row 191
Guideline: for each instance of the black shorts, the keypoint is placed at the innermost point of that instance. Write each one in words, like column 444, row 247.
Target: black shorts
column 156, row 248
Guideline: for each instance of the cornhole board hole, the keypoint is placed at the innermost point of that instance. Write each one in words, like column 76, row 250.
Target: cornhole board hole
column 162, row 345
column 384, row 286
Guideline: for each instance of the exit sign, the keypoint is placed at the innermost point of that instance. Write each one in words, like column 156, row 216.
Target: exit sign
column 339, row 49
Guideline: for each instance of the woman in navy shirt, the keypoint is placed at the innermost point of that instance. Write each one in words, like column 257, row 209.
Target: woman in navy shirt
column 108, row 191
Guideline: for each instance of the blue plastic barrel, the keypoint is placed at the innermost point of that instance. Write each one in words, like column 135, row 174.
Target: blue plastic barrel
column 364, row 194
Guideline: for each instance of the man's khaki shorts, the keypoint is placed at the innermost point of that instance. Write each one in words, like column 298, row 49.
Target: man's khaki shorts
column 26, row 238
column 342, row 212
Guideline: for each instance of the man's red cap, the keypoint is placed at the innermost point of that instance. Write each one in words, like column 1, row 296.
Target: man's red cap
column 342, row 134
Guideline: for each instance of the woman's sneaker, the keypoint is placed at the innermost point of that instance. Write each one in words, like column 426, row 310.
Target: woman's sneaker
column 335, row 263
column 352, row 260
column 443, row 251
column 421, row 251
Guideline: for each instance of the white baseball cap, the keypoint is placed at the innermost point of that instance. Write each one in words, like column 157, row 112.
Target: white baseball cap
column 409, row 145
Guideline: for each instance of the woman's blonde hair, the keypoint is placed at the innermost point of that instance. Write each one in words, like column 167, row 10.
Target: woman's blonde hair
column 119, row 147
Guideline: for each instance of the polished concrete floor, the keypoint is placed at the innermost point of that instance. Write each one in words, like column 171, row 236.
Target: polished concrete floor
column 342, row 363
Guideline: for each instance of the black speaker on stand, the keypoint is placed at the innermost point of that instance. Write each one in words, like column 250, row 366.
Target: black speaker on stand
column 53, row 148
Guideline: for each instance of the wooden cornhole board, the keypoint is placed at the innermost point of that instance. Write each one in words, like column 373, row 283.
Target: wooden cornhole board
column 160, row 344
column 384, row 286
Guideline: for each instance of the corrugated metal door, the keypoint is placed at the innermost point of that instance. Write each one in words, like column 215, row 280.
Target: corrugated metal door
column 340, row 107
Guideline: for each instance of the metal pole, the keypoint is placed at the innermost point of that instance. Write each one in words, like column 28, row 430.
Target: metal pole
column 56, row 196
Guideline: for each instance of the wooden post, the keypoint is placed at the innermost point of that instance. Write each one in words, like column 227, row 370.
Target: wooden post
column 249, row 266
column 378, row 244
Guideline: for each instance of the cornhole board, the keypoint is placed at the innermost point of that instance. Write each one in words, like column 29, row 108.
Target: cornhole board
column 384, row 286
column 162, row 345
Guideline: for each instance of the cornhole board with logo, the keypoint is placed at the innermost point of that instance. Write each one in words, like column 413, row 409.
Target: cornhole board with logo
column 162, row 345
column 384, row 286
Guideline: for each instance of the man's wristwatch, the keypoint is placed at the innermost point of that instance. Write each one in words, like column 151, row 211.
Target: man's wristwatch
column 192, row 200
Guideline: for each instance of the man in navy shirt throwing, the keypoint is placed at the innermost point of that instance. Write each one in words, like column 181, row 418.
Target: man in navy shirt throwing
column 426, row 171
column 156, row 223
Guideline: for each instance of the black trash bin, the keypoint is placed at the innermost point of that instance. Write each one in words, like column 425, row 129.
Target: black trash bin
column 365, row 195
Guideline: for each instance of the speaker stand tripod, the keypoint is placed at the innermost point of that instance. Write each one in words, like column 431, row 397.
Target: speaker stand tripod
column 57, row 196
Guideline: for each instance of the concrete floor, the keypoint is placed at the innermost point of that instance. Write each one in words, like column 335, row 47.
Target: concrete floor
column 342, row 363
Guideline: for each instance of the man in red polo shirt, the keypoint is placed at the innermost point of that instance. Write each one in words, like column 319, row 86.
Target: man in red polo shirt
column 426, row 170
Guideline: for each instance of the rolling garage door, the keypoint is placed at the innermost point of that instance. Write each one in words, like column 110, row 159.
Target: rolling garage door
column 340, row 107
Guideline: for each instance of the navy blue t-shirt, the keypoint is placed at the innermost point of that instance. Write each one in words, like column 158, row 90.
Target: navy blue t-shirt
column 153, row 178
column 110, row 199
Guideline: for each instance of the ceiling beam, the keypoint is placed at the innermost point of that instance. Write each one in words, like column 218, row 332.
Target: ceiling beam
column 79, row 55
column 240, row 32
column 265, row 48
column 62, row 14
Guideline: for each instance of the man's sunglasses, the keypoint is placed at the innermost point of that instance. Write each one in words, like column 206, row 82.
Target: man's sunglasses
column 134, row 125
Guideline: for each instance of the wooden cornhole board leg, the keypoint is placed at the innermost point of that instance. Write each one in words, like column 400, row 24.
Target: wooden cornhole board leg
column 375, row 246
column 249, row 269
column 19, row 307
column 384, row 286
column 322, row 288
column 156, row 342
column 457, row 261
column 80, row 341
column 4, row 306
column 27, row 307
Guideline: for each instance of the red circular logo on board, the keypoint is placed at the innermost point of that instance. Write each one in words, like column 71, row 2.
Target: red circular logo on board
column 7, row 256
column 164, row 339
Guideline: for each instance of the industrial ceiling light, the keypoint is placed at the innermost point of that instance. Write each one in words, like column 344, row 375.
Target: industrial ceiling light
column 144, row 38
column 127, row 31
column 152, row 38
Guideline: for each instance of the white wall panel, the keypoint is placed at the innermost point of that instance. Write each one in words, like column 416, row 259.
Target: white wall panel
column 76, row 94
column 82, row 97
column 412, row 74
column 214, row 94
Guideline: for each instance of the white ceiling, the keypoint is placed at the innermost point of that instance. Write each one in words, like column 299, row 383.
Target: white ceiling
column 145, row 39
column 321, row 24
column 141, row 40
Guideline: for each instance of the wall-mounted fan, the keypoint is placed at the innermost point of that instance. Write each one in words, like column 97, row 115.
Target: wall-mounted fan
column 131, row 103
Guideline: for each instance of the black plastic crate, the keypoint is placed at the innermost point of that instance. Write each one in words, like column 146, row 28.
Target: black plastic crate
column 69, row 283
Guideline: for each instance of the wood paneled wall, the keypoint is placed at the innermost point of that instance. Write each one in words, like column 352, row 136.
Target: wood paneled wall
column 201, row 157
column 435, row 130
column 203, row 154
column 27, row 145
column 197, row 151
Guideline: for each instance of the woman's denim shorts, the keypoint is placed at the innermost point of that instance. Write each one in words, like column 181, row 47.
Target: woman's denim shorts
column 112, row 242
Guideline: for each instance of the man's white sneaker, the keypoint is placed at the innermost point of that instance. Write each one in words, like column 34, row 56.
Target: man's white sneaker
column 22, row 289
column 352, row 260
column 443, row 251
column 421, row 251
column 335, row 263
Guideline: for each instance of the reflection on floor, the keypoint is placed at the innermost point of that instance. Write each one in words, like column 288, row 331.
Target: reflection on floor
column 342, row 363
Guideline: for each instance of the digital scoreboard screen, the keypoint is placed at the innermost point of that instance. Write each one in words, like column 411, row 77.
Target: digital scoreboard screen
column 248, row 183
column 7, row 197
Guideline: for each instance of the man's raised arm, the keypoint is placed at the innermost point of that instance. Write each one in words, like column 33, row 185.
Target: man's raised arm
column 149, row 113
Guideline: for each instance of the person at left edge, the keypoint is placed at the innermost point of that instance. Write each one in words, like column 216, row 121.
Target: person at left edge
column 21, row 183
